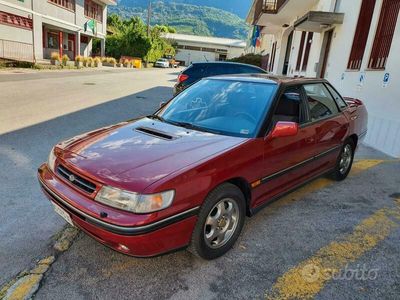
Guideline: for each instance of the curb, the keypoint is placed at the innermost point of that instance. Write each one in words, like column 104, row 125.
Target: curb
column 26, row 284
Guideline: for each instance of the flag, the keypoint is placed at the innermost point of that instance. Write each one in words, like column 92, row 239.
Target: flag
column 91, row 25
column 256, row 38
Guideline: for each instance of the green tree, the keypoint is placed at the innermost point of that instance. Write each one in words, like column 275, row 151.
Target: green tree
column 129, row 38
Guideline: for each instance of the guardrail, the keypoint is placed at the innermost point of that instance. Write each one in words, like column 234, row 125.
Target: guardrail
column 16, row 51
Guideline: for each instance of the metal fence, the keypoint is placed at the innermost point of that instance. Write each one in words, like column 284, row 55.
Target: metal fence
column 16, row 51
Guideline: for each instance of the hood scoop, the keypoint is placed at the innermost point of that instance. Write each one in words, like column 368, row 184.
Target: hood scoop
column 157, row 133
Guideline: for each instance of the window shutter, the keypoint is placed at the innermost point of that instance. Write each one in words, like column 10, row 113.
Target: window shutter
column 307, row 52
column 361, row 35
column 384, row 34
column 300, row 54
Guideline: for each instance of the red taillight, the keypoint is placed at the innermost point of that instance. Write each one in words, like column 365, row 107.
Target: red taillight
column 182, row 78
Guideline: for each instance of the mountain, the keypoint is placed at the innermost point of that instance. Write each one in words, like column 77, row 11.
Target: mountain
column 238, row 7
column 188, row 18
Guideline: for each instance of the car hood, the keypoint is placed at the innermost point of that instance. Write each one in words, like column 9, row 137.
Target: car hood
column 133, row 155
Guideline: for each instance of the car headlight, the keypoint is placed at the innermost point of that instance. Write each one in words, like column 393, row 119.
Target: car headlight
column 51, row 161
column 134, row 202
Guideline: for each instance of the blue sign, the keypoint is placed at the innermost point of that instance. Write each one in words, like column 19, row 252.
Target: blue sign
column 386, row 79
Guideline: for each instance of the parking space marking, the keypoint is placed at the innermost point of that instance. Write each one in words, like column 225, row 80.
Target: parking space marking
column 308, row 278
column 320, row 183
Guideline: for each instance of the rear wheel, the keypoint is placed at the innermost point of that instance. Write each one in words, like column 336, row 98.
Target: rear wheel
column 345, row 161
column 220, row 222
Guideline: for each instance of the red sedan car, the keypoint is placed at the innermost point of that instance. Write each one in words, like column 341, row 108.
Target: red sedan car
column 188, row 175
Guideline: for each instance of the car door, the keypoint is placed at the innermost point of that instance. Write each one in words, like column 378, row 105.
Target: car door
column 287, row 160
column 327, row 121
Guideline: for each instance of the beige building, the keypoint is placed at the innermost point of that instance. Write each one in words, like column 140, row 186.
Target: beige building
column 192, row 48
column 355, row 44
column 30, row 30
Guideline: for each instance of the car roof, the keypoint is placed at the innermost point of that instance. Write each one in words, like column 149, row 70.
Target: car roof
column 224, row 63
column 266, row 78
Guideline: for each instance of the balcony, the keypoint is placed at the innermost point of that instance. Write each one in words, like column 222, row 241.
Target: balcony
column 273, row 14
column 268, row 7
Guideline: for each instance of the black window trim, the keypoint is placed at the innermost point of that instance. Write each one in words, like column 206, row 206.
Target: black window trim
column 267, row 125
column 327, row 84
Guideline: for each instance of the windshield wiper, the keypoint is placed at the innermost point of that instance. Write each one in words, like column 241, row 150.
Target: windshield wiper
column 194, row 127
column 156, row 117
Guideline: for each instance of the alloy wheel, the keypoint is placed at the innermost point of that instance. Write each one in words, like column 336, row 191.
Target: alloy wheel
column 221, row 223
column 345, row 159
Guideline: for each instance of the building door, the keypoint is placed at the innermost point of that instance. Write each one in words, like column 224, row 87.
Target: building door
column 325, row 52
column 287, row 55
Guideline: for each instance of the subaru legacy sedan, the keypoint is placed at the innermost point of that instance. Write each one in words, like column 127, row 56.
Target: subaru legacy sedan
column 188, row 175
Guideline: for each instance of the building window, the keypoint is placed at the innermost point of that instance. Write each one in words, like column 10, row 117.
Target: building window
column 301, row 49
column 68, row 4
column 361, row 35
column 93, row 10
column 53, row 40
column 16, row 21
column 384, row 34
column 307, row 51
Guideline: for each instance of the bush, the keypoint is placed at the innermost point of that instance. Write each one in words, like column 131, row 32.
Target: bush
column 55, row 56
column 79, row 58
column 250, row 59
column 65, row 59
column 111, row 60
column 104, row 59
column 97, row 60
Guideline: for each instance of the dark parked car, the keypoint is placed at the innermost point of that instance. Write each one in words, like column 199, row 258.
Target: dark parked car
column 189, row 174
column 198, row 71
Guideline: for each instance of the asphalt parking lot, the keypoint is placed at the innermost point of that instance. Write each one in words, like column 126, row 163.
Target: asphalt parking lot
column 327, row 240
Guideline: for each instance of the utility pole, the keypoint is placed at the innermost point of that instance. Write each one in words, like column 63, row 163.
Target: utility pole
column 148, row 18
column 148, row 26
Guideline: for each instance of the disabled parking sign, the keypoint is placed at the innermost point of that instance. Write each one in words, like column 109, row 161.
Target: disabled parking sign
column 386, row 79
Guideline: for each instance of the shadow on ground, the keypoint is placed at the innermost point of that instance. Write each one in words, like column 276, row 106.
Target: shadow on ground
column 27, row 219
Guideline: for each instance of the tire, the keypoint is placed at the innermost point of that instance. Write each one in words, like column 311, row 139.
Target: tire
column 214, row 239
column 344, row 161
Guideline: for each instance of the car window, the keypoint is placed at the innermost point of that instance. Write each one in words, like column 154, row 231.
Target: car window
column 339, row 100
column 289, row 107
column 320, row 101
column 196, row 71
column 227, row 107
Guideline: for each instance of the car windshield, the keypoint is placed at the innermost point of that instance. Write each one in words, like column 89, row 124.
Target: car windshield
column 228, row 107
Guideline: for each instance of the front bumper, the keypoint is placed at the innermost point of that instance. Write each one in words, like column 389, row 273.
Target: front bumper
column 151, row 239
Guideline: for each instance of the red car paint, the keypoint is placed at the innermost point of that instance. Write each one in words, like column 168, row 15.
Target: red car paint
column 123, row 156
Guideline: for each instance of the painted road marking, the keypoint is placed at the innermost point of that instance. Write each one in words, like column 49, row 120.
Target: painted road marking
column 308, row 278
column 320, row 183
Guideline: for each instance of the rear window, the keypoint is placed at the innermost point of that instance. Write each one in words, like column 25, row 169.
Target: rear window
column 206, row 70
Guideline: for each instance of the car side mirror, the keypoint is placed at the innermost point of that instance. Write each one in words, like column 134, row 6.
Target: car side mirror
column 162, row 103
column 285, row 129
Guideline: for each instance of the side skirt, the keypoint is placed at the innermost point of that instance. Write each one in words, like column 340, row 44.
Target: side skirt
column 260, row 207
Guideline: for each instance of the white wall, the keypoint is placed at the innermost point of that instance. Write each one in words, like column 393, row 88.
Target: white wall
column 383, row 103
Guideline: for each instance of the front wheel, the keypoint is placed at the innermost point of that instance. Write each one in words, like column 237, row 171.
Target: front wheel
column 345, row 161
column 220, row 222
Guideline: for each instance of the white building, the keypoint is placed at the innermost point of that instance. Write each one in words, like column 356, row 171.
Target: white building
column 355, row 44
column 32, row 29
column 192, row 48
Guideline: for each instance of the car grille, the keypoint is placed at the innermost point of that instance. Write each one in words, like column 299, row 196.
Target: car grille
column 76, row 180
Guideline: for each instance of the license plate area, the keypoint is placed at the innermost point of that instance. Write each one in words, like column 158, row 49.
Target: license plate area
column 66, row 216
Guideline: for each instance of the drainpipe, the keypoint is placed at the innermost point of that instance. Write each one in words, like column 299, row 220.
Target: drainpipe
column 33, row 36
